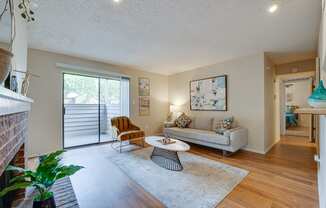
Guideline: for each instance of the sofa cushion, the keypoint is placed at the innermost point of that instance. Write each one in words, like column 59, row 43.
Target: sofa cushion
column 198, row 134
column 182, row 121
column 203, row 123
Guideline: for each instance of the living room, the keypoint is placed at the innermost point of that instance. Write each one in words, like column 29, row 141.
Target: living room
column 183, row 76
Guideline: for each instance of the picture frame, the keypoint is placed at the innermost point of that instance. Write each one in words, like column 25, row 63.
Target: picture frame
column 144, row 86
column 209, row 94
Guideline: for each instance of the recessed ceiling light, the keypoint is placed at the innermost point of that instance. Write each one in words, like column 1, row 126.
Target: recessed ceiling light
column 116, row 1
column 273, row 8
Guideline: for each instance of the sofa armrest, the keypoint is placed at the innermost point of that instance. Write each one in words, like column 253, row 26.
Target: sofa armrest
column 238, row 137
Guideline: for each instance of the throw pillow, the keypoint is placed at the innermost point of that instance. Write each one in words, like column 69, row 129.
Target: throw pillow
column 220, row 126
column 182, row 121
column 227, row 123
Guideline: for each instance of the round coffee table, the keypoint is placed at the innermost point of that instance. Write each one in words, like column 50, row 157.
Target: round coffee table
column 166, row 155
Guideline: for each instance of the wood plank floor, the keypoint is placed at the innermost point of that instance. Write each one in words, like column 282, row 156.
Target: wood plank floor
column 285, row 177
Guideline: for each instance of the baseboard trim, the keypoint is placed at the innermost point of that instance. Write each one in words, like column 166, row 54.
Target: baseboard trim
column 271, row 146
column 253, row 150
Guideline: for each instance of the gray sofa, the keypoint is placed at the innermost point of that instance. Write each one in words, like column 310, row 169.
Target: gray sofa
column 201, row 132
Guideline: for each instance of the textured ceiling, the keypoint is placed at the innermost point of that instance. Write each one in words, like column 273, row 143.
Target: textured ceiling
column 170, row 36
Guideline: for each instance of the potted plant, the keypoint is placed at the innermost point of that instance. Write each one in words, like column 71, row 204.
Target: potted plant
column 46, row 174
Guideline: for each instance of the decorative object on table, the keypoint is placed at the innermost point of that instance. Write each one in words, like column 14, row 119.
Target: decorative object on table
column 25, row 84
column 46, row 174
column 183, row 121
column 26, row 8
column 14, row 83
column 144, row 96
column 209, row 94
column 123, row 130
column 318, row 97
column 167, row 141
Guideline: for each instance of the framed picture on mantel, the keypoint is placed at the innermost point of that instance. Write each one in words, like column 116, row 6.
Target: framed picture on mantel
column 209, row 94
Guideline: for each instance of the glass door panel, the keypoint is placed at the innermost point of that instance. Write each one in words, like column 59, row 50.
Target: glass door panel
column 81, row 110
column 110, row 106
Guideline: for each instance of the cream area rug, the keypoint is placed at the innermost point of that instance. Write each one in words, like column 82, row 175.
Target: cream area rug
column 203, row 183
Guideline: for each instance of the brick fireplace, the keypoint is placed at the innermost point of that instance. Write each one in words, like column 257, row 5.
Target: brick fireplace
column 14, row 110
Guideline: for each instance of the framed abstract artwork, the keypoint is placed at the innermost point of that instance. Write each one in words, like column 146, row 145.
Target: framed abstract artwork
column 209, row 94
column 144, row 104
column 144, row 96
column 144, row 86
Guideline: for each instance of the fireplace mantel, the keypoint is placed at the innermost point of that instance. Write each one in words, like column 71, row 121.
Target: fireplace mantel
column 11, row 102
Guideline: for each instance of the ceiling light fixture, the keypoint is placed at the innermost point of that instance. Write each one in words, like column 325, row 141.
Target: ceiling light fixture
column 116, row 1
column 273, row 7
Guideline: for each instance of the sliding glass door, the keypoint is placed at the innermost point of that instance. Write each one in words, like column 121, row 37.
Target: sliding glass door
column 89, row 103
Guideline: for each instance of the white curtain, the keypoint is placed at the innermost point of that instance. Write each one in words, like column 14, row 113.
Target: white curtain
column 125, row 105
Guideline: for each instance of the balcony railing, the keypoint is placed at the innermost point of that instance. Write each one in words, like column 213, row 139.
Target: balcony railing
column 83, row 122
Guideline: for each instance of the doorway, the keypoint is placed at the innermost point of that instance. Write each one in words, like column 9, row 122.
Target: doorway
column 89, row 103
column 295, row 95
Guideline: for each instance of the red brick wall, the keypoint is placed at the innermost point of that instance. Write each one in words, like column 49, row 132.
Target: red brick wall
column 13, row 133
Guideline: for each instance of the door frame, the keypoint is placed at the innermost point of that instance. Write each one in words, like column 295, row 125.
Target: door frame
column 63, row 111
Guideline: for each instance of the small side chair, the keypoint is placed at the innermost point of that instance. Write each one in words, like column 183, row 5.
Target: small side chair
column 124, row 130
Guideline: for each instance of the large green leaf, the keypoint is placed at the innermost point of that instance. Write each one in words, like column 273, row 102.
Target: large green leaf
column 20, row 185
column 14, row 168
column 67, row 171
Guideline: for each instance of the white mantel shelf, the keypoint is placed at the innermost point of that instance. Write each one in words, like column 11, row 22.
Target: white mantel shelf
column 12, row 102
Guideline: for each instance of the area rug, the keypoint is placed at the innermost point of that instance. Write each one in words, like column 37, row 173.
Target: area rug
column 203, row 183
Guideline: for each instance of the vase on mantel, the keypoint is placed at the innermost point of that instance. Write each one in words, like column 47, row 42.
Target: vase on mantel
column 5, row 64
column 318, row 97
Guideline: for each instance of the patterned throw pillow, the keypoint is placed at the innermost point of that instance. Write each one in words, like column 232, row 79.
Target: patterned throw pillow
column 221, row 126
column 227, row 123
column 182, row 121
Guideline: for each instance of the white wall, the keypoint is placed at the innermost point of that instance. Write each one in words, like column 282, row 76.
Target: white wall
column 301, row 90
column 245, row 94
column 45, row 121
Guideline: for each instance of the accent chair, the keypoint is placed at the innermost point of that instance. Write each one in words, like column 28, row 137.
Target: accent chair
column 124, row 130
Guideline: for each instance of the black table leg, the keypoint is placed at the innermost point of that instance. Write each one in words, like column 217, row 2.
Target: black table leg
column 166, row 159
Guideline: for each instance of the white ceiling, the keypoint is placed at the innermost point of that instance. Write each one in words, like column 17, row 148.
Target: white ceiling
column 170, row 36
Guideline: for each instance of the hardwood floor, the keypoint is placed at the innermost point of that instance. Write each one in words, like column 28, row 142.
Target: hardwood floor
column 285, row 177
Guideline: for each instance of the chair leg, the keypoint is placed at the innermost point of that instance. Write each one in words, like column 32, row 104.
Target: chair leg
column 120, row 147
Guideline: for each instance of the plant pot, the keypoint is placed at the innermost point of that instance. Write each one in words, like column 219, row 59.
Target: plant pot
column 49, row 203
column 5, row 64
